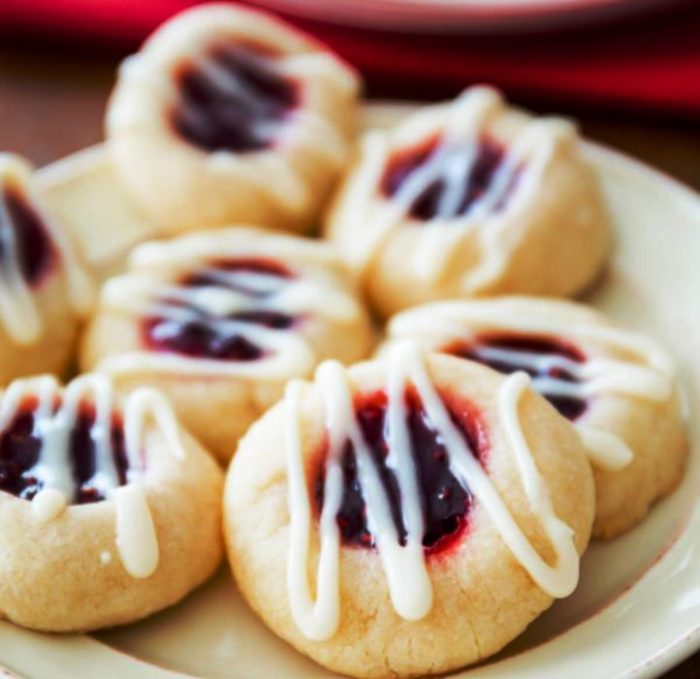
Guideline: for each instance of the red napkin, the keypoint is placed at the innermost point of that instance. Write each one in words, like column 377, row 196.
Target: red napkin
column 647, row 65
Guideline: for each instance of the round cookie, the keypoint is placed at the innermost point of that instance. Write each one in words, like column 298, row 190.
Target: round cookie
column 470, row 198
column 433, row 506
column 617, row 387
column 220, row 320
column 229, row 115
column 108, row 510
column 43, row 288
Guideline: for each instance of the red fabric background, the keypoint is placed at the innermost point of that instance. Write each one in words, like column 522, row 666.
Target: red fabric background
column 647, row 65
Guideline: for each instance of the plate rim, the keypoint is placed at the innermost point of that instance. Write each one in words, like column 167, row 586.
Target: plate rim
column 688, row 642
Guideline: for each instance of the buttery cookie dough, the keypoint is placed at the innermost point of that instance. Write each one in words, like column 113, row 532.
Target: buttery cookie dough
column 228, row 115
column 407, row 516
column 108, row 510
column 220, row 320
column 617, row 387
column 470, row 198
column 43, row 288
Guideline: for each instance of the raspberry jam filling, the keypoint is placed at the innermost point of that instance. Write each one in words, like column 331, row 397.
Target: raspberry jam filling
column 442, row 180
column 20, row 447
column 203, row 334
column 233, row 99
column 22, row 230
column 445, row 502
column 508, row 353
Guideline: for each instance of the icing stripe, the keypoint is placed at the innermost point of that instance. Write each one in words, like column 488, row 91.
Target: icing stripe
column 317, row 620
column 308, row 137
column 405, row 566
column 651, row 380
column 19, row 313
column 596, row 375
column 605, row 450
column 558, row 581
column 136, row 541
column 400, row 460
column 409, row 586
column 135, row 533
column 151, row 292
column 463, row 121
column 457, row 318
column 48, row 504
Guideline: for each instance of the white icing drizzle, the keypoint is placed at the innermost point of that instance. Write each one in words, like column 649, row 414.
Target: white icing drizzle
column 137, row 542
column 273, row 174
column 562, row 579
column 605, row 449
column 312, row 127
column 309, row 129
column 594, row 376
column 318, row 620
column 19, row 313
column 136, row 538
column 454, row 159
column 268, row 172
column 47, row 504
column 536, row 144
column 650, row 379
column 452, row 162
column 150, row 292
column 405, row 567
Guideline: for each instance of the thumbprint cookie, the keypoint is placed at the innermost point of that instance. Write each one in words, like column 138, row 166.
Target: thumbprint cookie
column 470, row 198
column 617, row 387
column 220, row 320
column 43, row 288
column 228, row 115
column 108, row 510
column 408, row 515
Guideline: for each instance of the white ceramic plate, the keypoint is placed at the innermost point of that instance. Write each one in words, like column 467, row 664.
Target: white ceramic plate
column 637, row 609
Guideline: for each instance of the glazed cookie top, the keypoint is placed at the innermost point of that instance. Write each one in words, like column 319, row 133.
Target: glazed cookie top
column 234, row 99
column 77, row 446
column 452, row 171
column 401, row 470
column 233, row 302
column 572, row 354
column 33, row 250
column 235, row 87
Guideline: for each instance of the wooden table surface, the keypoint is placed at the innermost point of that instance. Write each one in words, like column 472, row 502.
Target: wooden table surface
column 52, row 103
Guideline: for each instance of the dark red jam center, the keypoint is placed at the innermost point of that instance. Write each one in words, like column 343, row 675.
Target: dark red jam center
column 450, row 179
column 20, row 445
column 445, row 502
column 34, row 248
column 570, row 407
column 206, row 336
column 233, row 99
